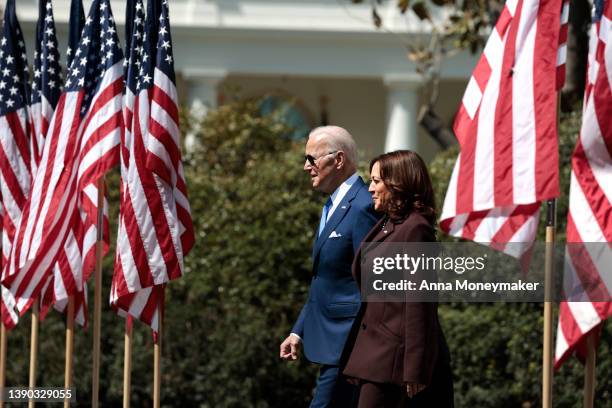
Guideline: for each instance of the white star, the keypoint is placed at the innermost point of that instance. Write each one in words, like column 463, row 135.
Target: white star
column 34, row 85
column 103, row 6
column 37, row 73
column 10, row 59
column 86, row 41
column 163, row 30
column 49, row 18
column 69, row 51
column 50, row 44
column 51, row 70
column 109, row 54
column 3, row 40
column 51, row 84
column 13, row 91
column 16, row 78
column 138, row 6
column 145, row 57
column 146, row 78
column 2, row 84
column 10, row 103
column 83, row 61
column 48, row 6
column 75, row 71
column 50, row 57
column 88, row 21
column 81, row 81
column 166, row 45
column 49, row 31
column 78, row 52
column 168, row 59
column 68, row 83
column 6, row 71
column 110, row 42
column 137, row 20
column 21, row 44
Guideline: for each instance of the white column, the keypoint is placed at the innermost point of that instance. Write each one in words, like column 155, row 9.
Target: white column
column 202, row 96
column 402, row 110
column 202, row 85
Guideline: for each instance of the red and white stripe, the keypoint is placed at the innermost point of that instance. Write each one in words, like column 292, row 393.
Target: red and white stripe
column 78, row 152
column 149, row 246
column 590, row 206
column 15, row 179
column 42, row 113
column 507, row 130
column 155, row 230
column 562, row 52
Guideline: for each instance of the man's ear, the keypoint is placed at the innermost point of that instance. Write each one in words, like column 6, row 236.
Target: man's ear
column 341, row 157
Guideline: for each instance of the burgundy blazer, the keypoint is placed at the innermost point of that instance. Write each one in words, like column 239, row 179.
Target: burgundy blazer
column 396, row 342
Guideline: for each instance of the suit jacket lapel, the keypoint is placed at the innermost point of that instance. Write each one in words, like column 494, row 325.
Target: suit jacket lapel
column 336, row 217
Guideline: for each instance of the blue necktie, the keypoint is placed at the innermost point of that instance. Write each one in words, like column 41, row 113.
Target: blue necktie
column 326, row 208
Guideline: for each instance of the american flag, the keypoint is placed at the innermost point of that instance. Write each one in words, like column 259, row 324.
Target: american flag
column 47, row 82
column 75, row 28
column 15, row 136
column 155, row 229
column 590, row 206
column 82, row 145
column 67, row 278
column 507, row 130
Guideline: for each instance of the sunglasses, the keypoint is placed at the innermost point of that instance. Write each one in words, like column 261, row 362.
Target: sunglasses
column 313, row 160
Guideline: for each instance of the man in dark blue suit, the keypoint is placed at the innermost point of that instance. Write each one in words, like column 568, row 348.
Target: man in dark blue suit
column 333, row 300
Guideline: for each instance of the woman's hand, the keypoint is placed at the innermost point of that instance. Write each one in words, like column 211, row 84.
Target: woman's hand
column 413, row 389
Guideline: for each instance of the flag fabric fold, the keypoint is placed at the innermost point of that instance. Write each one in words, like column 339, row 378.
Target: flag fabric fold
column 47, row 83
column 155, row 228
column 68, row 272
column 507, row 130
column 15, row 139
column 590, row 201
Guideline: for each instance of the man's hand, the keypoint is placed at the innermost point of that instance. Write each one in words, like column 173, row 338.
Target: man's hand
column 290, row 347
column 413, row 389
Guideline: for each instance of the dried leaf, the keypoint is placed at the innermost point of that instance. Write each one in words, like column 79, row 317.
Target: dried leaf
column 376, row 18
column 420, row 9
column 403, row 5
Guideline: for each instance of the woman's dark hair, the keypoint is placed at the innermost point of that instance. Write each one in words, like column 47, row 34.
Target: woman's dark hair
column 405, row 175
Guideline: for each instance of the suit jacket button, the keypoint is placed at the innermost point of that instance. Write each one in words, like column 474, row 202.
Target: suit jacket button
column 363, row 326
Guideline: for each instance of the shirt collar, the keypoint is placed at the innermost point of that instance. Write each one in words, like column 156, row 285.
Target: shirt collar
column 341, row 191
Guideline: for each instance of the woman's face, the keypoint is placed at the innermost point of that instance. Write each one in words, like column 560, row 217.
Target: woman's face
column 380, row 193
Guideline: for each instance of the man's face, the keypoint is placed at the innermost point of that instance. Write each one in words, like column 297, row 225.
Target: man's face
column 324, row 172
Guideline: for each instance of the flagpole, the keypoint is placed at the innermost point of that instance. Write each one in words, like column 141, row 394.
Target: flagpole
column 34, row 347
column 127, row 363
column 157, row 355
column 97, row 317
column 547, row 360
column 69, row 347
column 3, row 345
column 589, row 370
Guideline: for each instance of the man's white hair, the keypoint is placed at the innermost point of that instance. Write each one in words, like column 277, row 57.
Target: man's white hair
column 337, row 138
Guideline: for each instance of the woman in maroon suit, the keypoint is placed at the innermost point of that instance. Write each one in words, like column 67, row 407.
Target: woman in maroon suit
column 397, row 351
